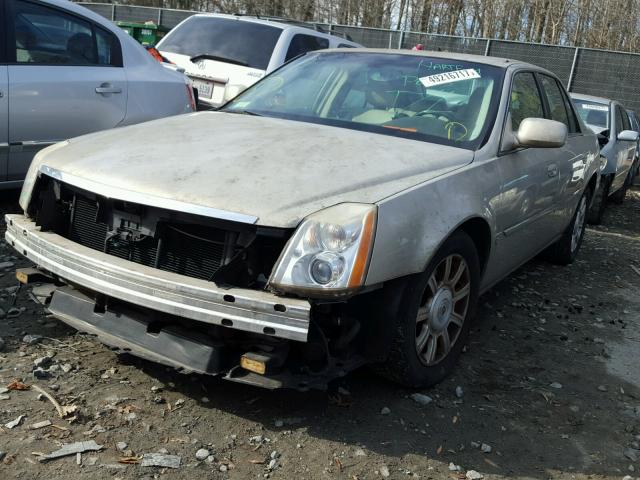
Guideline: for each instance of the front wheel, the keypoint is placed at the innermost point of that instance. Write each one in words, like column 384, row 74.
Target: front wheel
column 619, row 195
column 565, row 250
column 433, row 319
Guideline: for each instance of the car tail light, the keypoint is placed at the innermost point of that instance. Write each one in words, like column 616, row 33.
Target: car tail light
column 157, row 55
column 191, row 96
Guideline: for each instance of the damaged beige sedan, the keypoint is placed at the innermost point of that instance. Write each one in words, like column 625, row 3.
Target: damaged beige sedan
column 346, row 210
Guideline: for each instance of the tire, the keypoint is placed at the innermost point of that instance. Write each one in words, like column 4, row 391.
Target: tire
column 596, row 211
column 565, row 250
column 618, row 196
column 429, row 313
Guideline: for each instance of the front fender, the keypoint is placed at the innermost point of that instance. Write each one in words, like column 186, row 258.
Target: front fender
column 413, row 224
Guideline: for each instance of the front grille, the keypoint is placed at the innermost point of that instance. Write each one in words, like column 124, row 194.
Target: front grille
column 188, row 249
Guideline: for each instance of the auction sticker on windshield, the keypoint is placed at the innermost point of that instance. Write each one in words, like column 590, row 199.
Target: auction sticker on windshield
column 593, row 106
column 448, row 77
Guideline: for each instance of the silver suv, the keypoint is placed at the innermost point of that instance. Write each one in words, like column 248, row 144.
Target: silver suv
column 618, row 141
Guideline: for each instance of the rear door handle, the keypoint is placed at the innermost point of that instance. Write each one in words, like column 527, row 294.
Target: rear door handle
column 1, row 94
column 106, row 88
column 552, row 171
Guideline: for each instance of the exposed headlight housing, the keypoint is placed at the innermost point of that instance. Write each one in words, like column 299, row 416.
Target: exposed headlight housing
column 329, row 253
column 34, row 172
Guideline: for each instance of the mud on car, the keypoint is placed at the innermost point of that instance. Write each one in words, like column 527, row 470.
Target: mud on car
column 348, row 209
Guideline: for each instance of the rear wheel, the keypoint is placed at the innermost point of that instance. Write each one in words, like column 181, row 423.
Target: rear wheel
column 565, row 250
column 432, row 321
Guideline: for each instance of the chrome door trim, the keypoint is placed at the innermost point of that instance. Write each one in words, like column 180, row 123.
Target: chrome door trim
column 32, row 143
column 145, row 199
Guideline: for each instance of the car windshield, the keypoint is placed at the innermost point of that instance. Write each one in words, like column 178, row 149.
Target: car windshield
column 594, row 114
column 240, row 42
column 436, row 100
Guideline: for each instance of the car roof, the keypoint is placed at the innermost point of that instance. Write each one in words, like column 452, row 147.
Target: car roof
column 284, row 24
column 590, row 98
column 493, row 61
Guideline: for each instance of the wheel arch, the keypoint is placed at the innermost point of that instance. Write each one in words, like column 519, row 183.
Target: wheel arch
column 479, row 231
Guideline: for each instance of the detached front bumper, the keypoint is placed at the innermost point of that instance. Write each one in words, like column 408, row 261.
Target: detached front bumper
column 195, row 299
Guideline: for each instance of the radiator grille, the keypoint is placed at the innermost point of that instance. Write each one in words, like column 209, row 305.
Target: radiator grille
column 192, row 250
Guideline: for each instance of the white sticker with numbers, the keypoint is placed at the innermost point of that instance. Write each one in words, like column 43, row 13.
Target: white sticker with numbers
column 593, row 106
column 448, row 77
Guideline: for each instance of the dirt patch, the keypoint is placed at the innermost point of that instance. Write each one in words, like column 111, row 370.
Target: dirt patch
column 550, row 388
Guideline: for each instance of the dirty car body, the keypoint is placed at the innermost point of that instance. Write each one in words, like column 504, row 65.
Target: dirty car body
column 350, row 209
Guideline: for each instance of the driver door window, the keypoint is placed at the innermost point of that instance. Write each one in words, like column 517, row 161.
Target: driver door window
column 525, row 99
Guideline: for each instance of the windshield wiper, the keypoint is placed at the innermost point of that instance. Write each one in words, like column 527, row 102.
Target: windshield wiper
column 206, row 56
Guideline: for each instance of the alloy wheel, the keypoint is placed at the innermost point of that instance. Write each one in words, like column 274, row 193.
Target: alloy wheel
column 443, row 309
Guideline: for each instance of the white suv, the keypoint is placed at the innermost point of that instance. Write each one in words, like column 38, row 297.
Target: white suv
column 224, row 54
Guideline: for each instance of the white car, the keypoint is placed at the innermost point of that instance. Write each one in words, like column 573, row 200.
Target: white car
column 225, row 54
column 66, row 71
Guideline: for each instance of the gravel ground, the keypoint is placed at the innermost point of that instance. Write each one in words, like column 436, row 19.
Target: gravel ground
column 549, row 389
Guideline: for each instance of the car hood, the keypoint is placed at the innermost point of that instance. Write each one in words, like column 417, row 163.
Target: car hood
column 276, row 170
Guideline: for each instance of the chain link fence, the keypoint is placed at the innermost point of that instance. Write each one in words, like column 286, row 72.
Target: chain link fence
column 595, row 72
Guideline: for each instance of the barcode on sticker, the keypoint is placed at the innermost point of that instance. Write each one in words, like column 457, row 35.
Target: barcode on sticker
column 448, row 77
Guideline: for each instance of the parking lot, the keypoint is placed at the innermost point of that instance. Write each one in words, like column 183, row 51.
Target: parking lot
column 549, row 388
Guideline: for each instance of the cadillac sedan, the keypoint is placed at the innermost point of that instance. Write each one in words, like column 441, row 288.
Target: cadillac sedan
column 348, row 209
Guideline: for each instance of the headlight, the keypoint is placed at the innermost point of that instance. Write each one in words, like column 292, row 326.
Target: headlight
column 329, row 252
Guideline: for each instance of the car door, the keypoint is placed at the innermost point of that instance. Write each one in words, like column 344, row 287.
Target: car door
column 525, row 209
column 4, row 103
column 625, row 150
column 572, row 158
column 65, row 79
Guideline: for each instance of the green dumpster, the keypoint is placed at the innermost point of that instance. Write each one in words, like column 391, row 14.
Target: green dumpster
column 147, row 34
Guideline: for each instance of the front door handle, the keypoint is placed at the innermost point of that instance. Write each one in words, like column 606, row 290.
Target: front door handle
column 1, row 94
column 107, row 88
column 552, row 171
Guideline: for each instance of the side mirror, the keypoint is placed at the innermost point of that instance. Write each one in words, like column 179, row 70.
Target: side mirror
column 541, row 133
column 628, row 136
column 232, row 91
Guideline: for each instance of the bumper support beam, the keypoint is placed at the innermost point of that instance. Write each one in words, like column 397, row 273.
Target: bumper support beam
column 167, row 292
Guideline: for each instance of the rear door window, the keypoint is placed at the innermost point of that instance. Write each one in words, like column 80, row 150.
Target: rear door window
column 224, row 39
column 525, row 99
column 48, row 36
column 555, row 101
column 3, row 34
column 301, row 43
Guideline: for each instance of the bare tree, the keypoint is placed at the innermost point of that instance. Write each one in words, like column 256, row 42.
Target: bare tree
column 610, row 24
